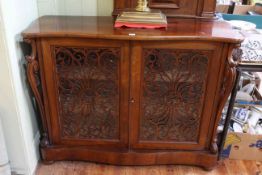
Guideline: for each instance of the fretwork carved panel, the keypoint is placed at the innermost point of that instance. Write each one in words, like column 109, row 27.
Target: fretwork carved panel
column 174, row 83
column 88, row 88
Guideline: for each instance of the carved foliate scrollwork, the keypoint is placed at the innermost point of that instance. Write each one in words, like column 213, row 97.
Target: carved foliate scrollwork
column 227, row 86
column 173, row 93
column 33, row 75
column 88, row 82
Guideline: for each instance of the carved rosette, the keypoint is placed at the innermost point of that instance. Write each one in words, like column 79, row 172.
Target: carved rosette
column 173, row 93
column 33, row 75
column 88, row 81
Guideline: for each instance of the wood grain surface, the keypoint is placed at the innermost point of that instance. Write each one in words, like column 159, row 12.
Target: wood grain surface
column 103, row 27
column 227, row 167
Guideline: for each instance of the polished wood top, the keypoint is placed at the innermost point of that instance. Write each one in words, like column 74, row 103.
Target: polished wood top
column 102, row 27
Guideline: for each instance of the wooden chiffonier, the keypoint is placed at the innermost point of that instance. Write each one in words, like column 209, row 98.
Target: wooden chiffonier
column 130, row 96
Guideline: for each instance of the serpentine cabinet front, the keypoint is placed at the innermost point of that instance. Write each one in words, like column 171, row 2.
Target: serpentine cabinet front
column 130, row 102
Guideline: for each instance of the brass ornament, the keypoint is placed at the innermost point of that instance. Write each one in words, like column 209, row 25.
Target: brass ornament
column 142, row 6
column 141, row 17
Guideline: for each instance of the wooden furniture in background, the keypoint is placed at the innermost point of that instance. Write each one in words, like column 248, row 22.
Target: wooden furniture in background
column 130, row 96
column 174, row 8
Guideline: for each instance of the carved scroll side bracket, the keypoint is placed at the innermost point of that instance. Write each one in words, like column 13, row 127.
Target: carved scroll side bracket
column 33, row 75
column 227, row 86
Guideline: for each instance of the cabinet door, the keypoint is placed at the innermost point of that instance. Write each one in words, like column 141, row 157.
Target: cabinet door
column 173, row 89
column 87, row 90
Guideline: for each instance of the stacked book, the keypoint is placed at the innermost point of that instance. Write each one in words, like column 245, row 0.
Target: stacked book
column 135, row 19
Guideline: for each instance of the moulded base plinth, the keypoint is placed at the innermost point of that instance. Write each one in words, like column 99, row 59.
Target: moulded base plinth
column 197, row 158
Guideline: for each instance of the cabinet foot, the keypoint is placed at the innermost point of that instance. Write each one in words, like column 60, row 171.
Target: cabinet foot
column 48, row 162
column 209, row 168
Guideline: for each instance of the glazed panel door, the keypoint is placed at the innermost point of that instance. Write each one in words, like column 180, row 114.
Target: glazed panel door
column 87, row 89
column 173, row 87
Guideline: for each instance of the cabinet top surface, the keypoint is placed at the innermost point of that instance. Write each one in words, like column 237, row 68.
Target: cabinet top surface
column 103, row 27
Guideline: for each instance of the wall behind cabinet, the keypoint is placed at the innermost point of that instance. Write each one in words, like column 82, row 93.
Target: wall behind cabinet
column 16, row 110
column 75, row 7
